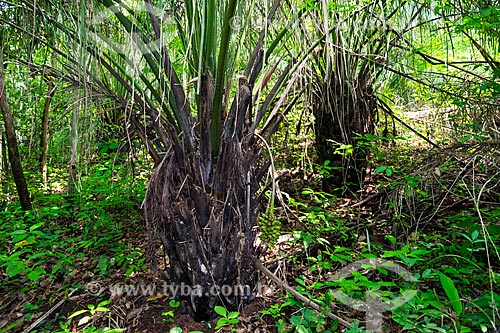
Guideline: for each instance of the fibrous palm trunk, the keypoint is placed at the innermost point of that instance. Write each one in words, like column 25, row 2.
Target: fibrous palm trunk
column 204, row 212
column 344, row 111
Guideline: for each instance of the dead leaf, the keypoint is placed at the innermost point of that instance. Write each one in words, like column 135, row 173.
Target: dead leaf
column 155, row 297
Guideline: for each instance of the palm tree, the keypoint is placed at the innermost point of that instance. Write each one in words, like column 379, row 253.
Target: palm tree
column 208, row 180
column 203, row 87
column 356, row 40
column 361, row 43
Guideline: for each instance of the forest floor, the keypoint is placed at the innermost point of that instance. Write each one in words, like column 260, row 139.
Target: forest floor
column 86, row 281
column 62, row 263
column 24, row 301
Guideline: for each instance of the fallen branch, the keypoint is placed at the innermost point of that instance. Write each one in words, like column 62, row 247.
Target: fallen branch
column 306, row 301
column 54, row 308
column 388, row 110
column 371, row 197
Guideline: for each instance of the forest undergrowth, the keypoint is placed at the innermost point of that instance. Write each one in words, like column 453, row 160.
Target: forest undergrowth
column 415, row 250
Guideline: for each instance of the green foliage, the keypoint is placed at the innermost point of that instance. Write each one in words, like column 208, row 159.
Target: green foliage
column 276, row 310
column 451, row 267
column 179, row 330
column 483, row 20
column 227, row 318
column 24, row 243
column 355, row 328
column 50, row 240
column 388, row 170
column 424, row 312
column 452, row 293
column 439, row 297
column 169, row 315
column 308, row 322
column 93, row 329
column 92, row 310
column 341, row 148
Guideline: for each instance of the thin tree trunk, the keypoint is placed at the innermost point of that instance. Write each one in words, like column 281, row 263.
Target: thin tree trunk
column 73, row 163
column 44, row 141
column 14, row 158
column 2, row 167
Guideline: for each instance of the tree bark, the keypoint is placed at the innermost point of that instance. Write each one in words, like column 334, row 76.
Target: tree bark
column 339, row 119
column 2, row 164
column 14, row 158
column 44, row 140
column 207, row 229
column 73, row 163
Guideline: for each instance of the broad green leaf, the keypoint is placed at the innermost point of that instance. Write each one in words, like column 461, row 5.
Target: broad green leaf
column 103, row 263
column 168, row 313
column 426, row 273
column 36, row 226
column 220, row 310
column 14, row 268
column 233, row 315
column 104, row 303
column 308, row 239
column 464, row 138
column 101, row 309
column 176, row 330
column 221, row 323
column 28, row 241
column 35, row 274
column 302, row 329
column 84, row 320
column 174, row 303
column 77, row 313
column 452, row 293
column 19, row 237
column 296, row 320
column 391, row 239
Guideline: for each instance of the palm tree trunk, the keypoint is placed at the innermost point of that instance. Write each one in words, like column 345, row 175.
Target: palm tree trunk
column 339, row 119
column 204, row 215
column 206, row 229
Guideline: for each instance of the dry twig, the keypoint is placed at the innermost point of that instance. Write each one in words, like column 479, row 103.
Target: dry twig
column 306, row 301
